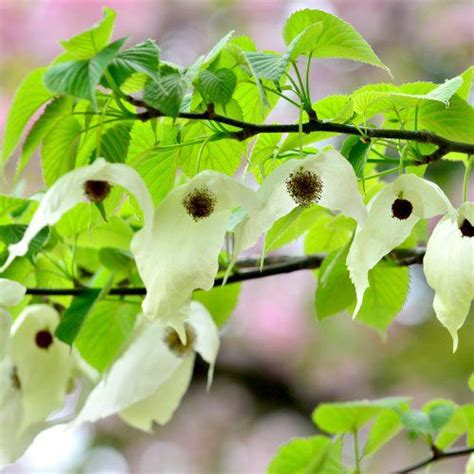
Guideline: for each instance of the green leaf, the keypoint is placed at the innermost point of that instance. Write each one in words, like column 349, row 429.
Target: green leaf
column 53, row 114
column 156, row 166
column 217, row 49
column 460, row 423
column 219, row 86
column 29, row 97
column 116, row 260
column 387, row 425
column 87, row 44
column 440, row 414
column 220, row 301
column 114, row 143
column 355, row 149
column 74, row 316
column 418, row 422
column 385, row 297
column 470, row 382
column 81, row 78
column 269, row 66
column 105, row 332
column 465, row 90
column 335, row 291
column 349, row 417
column 264, row 148
column 337, row 38
column 59, row 150
column 315, row 455
column 142, row 58
column 11, row 204
column 13, row 233
column 166, row 94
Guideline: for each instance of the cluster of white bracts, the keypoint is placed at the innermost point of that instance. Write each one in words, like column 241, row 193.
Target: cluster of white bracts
column 176, row 253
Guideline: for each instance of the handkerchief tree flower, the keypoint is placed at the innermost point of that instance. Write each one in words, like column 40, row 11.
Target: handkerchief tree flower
column 392, row 214
column 326, row 179
column 160, row 365
column 122, row 292
column 36, row 372
column 449, row 267
column 179, row 254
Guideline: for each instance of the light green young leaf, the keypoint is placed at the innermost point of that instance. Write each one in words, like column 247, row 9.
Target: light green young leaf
column 29, row 97
column 355, row 149
column 59, row 150
column 461, row 422
column 471, row 382
column 87, row 44
column 219, row 86
column 142, row 58
column 337, row 38
column 114, row 143
column 264, row 148
column 465, row 90
column 387, row 425
column 166, row 94
column 81, row 78
column 290, row 227
column 56, row 111
column 105, row 331
column 334, row 291
column 315, row 455
column 217, row 49
column 11, row 204
column 220, row 301
column 269, row 66
column 385, row 297
column 348, row 417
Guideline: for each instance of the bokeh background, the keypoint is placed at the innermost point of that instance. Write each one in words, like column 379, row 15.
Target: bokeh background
column 276, row 361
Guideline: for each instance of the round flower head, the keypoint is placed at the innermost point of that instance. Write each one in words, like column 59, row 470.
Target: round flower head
column 392, row 214
column 449, row 268
column 180, row 253
column 161, row 367
column 87, row 183
column 327, row 179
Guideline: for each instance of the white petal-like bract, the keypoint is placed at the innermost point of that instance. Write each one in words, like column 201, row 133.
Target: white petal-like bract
column 449, row 269
column 146, row 383
column 68, row 191
column 382, row 231
column 11, row 292
column 180, row 253
column 339, row 192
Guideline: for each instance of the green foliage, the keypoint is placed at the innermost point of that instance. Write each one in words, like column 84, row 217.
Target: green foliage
column 87, row 44
column 315, row 455
column 166, row 94
column 29, row 97
column 337, row 39
column 74, row 316
column 219, row 86
column 220, row 301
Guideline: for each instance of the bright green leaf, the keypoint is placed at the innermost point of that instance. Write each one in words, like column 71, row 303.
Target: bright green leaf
column 220, row 301
column 166, row 94
column 337, row 38
column 219, row 86
column 87, row 44
column 29, row 97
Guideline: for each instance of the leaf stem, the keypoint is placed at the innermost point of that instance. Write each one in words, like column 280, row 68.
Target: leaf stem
column 467, row 173
column 356, row 453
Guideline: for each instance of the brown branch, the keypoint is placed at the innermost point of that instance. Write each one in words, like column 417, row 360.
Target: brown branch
column 437, row 455
column 248, row 130
column 248, row 269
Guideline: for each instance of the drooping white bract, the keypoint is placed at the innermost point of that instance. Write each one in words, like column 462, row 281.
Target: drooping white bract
column 326, row 179
column 392, row 214
column 35, row 373
column 11, row 292
column 180, row 252
column 70, row 190
column 449, row 268
column 146, row 384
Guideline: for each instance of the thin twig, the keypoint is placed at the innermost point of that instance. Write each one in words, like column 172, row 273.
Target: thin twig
column 247, row 269
column 437, row 456
column 248, row 130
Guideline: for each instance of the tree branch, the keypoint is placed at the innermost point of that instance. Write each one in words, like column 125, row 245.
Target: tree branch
column 248, row 269
column 248, row 130
column 437, row 455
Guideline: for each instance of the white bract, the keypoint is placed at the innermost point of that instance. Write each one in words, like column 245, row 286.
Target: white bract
column 35, row 373
column 449, row 268
column 326, row 179
column 392, row 214
column 11, row 292
column 180, row 252
column 146, row 384
column 69, row 190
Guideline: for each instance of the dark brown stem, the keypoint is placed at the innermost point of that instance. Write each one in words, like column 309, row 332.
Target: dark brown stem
column 248, row 269
column 248, row 130
column 437, row 455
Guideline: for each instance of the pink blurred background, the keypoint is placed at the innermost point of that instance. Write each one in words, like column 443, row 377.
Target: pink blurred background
column 276, row 362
